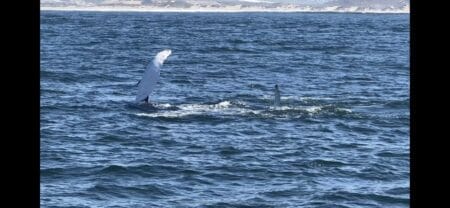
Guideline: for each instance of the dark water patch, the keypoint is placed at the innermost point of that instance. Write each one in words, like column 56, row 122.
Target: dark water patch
column 238, row 205
column 223, row 176
column 140, row 170
column 387, row 154
column 320, row 163
column 283, row 193
column 168, row 142
column 196, row 147
column 194, row 180
column 381, row 200
column 149, row 191
column 400, row 104
column 398, row 191
column 109, row 138
column 320, row 204
column 345, row 146
column 74, row 107
column 356, row 128
column 375, row 174
column 61, row 173
column 229, row 150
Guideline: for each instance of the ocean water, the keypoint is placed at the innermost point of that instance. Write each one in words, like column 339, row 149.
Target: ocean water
column 339, row 139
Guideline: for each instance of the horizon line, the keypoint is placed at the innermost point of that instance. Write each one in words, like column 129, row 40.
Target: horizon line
column 223, row 10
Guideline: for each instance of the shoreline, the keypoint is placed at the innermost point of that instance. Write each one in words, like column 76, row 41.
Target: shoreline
column 214, row 10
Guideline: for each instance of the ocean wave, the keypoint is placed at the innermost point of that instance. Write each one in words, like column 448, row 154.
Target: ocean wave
column 138, row 169
column 322, row 163
column 146, row 190
column 347, row 196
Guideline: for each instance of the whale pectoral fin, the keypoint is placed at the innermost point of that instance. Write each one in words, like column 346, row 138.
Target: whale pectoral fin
column 151, row 76
column 277, row 96
column 138, row 83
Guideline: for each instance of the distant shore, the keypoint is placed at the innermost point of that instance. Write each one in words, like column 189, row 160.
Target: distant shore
column 224, row 10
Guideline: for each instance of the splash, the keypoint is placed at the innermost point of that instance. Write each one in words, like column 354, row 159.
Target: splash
column 239, row 108
column 221, row 108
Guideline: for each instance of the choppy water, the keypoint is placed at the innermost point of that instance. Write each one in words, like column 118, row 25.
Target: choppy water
column 340, row 138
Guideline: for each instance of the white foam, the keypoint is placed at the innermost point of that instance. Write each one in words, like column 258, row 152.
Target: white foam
column 224, row 104
column 313, row 109
column 310, row 109
column 163, row 105
column 226, row 108
column 345, row 110
column 295, row 97
column 222, row 108
column 281, row 108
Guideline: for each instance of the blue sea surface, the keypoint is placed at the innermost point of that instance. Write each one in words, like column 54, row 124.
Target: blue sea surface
column 214, row 139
